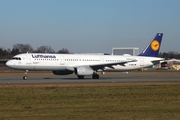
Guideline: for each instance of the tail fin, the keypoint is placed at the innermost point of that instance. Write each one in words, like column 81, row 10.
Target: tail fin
column 152, row 50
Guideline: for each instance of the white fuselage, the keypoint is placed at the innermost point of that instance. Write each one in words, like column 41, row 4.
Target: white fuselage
column 40, row 61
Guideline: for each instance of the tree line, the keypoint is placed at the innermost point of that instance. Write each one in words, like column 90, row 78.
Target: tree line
column 24, row 48
column 169, row 55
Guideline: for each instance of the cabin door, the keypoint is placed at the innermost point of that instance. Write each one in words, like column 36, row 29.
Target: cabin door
column 141, row 62
column 28, row 59
column 62, row 62
column 102, row 60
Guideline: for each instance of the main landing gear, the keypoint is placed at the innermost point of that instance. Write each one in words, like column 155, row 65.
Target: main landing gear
column 80, row 77
column 95, row 76
column 25, row 75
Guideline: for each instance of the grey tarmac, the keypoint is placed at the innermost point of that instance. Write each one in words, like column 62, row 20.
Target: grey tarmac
column 104, row 78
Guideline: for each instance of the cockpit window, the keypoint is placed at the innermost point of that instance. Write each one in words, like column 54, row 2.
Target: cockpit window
column 16, row 58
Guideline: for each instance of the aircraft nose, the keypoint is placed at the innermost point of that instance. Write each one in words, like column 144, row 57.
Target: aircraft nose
column 9, row 64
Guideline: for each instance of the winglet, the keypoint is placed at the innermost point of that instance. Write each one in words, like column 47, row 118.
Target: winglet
column 152, row 49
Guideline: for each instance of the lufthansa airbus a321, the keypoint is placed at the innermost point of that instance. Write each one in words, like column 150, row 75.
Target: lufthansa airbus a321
column 86, row 65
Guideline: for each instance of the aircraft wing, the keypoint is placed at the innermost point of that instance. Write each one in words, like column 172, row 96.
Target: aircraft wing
column 103, row 65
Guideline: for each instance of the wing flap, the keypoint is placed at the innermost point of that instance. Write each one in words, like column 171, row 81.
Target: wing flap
column 103, row 65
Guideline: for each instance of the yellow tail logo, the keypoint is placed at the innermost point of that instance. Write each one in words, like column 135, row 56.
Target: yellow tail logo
column 155, row 45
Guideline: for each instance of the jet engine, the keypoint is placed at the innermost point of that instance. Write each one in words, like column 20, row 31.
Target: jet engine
column 83, row 71
column 62, row 72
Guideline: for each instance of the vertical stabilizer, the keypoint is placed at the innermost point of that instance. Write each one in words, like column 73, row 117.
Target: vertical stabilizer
column 152, row 49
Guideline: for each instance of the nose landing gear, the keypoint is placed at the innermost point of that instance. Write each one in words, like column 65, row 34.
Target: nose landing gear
column 25, row 75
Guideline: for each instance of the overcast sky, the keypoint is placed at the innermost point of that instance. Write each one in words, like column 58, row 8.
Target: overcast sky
column 89, row 25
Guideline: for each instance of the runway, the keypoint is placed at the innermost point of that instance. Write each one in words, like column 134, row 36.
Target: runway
column 106, row 78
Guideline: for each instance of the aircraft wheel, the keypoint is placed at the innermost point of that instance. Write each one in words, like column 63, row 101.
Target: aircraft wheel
column 80, row 77
column 25, row 77
column 95, row 76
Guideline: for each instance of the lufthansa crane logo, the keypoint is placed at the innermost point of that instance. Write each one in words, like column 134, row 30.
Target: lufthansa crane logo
column 155, row 45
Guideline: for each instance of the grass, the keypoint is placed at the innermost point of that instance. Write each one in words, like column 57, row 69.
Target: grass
column 91, row 101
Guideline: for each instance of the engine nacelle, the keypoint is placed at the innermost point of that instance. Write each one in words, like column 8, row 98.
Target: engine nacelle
column 62, row 72
column 83, row 70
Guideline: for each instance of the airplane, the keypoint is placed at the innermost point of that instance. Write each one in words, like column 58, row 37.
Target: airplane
column 87, row 64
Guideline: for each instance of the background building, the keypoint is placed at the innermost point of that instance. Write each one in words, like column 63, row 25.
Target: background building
column 127, row 50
